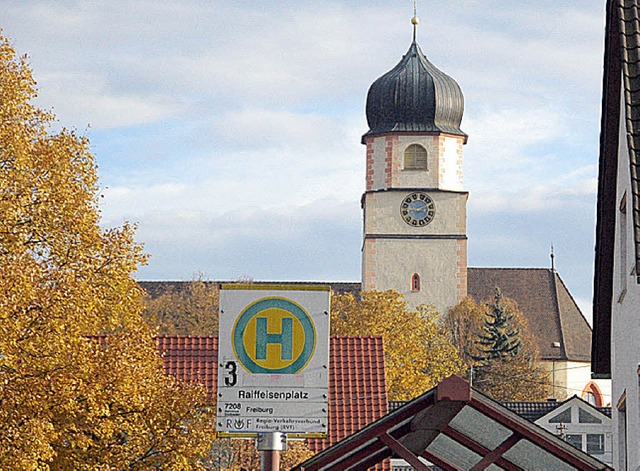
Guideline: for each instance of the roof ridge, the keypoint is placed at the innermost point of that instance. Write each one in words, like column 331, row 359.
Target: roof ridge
column 571, row 296
column 175, row 336
column 508, row 268
column 556, row 306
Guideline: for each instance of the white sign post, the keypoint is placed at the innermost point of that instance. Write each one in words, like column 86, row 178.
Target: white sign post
column 273, row 359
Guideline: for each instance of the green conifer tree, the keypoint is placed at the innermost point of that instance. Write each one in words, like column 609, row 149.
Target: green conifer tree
column 500, row 339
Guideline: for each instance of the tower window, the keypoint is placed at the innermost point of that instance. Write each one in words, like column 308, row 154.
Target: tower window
column 415, row 282
column 415, row 157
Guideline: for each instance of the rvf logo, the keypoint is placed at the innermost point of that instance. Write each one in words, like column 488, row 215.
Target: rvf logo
column 274, row 336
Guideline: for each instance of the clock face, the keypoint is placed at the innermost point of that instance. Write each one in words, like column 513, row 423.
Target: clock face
column 417, row 209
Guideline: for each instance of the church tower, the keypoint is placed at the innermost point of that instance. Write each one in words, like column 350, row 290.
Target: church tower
column 414, row 204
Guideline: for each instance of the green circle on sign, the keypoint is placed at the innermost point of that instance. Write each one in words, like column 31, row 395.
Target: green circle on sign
column 251, row 337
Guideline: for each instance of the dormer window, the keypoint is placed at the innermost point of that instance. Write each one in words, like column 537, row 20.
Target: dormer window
column 415, row 157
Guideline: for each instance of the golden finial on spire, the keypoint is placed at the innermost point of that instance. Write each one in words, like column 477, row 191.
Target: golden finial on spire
column 415, row 20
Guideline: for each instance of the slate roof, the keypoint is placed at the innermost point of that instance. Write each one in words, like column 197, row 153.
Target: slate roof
column 533, row 411
column 553, row 315
column 357, row 386
column 530, row 410
column 157, row 288
column 621, row 76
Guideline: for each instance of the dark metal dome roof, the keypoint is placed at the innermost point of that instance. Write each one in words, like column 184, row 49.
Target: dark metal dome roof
column 415, row 97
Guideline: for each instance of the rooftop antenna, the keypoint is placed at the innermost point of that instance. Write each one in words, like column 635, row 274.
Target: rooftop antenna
column 553, row 268
column 415, row 20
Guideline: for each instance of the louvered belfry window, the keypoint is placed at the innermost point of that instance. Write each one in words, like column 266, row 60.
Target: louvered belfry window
column 415, row 157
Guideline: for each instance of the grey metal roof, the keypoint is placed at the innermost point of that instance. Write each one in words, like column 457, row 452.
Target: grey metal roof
column 531, row 410
column 415, row 96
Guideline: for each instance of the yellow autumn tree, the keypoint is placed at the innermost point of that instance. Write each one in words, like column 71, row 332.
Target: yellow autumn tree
column 515, row 376
column 463, row 322
column 191, row 309
column 81, row 384
column 241, row 454
column 418, row 353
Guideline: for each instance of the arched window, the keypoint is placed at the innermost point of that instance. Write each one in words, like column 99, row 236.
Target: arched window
column 415, row 282
column 415, row 157
column 592, row 394
column 590, row 398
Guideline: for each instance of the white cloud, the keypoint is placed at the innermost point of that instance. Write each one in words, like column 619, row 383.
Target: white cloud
column 263, row 244
column 86, row 98
column 499, row 138
column 224, row 128
column 268, row 128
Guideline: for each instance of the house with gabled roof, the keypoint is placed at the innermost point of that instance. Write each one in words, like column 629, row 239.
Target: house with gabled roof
column 582, row 425
column 453, row 427
column 616, row 302
column 579, row 423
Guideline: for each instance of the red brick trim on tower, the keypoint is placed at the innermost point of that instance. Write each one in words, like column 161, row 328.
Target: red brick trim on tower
column 391, row 143
column 369, row 176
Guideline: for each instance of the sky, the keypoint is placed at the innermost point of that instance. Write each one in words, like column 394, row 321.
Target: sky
column 230, row 131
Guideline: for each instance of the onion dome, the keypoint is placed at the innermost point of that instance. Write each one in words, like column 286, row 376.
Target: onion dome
column 415, row 97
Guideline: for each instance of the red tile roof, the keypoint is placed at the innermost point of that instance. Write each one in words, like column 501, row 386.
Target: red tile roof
column 357, row 386
column 191, row 359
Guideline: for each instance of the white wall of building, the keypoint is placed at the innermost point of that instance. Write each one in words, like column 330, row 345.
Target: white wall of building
column 625, row 322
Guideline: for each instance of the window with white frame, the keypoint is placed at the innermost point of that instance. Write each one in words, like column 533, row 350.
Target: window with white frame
column 595, row 443
column 623, row 246
column 574, row 439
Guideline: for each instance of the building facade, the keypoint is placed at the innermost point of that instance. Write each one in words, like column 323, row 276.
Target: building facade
column 616, row 303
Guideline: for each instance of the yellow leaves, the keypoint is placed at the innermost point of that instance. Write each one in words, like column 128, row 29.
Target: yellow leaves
column 189, row 311
column 68, row 401
column 237, row 455
column 418, row 353
column 518, row 378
